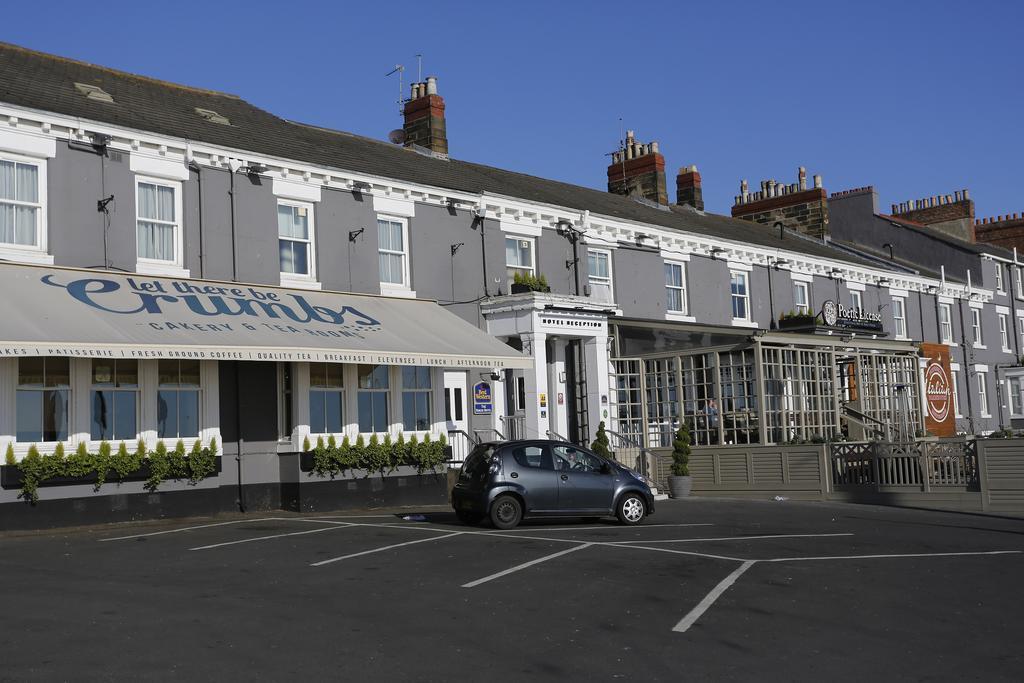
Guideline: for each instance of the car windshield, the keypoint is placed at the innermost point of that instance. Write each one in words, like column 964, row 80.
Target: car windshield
column 478, row 461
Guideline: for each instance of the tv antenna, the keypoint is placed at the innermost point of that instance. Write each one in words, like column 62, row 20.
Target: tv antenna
column 400, row 70
column 419, row 68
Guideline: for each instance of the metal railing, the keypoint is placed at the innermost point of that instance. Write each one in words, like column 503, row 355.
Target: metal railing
column 920, row 465
column 485, row 435
column 514, row 426
column 555, row 436
column 630, row 453
column 461, row 444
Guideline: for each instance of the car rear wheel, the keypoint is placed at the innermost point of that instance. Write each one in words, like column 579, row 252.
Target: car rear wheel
column 631, row 509
column 506, row 512
column 470, row 518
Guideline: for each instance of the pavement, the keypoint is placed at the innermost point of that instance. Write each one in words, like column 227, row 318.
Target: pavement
column 703, row 590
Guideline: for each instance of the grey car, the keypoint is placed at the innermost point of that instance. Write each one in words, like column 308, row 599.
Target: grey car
column 510, row 481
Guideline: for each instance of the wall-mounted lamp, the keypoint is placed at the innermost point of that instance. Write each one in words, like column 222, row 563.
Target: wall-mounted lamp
column 717, row 251
column 641, row 238
column 835, row 273
column 353, row 234
column 888, row 246
column 781, row 262
column 884, row 282
column 455, row 247
column 254, row 169
column 570, row 232
column 932, row 289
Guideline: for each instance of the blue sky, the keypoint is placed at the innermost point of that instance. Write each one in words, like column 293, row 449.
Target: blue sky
column 915, row 98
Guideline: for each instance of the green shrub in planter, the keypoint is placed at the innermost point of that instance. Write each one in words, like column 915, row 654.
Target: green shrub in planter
column 601, row 443
column 9, row 455
column 681, row 452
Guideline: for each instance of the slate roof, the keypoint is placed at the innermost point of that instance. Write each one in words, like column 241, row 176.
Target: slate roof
column 43, row 81
column 921, row 228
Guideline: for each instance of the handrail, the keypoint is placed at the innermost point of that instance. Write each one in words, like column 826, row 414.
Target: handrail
column 555, row 436
column 501, row 437
column 873, row 423
column 630, row 443
column 472, row 438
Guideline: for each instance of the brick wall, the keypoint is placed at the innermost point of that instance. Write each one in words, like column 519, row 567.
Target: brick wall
column 952, row 214
column 805, row 212
column 1003, row 231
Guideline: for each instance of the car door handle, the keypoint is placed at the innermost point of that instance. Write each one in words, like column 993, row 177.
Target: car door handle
column 515, row 475
column 565, row 477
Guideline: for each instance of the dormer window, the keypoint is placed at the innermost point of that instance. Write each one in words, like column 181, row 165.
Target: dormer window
column 93, row 92
column 212, row 116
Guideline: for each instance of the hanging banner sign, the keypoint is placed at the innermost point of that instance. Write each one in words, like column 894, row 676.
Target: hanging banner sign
column 938, row 390
column 483, row 403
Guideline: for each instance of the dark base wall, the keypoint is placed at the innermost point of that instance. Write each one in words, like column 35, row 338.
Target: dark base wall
column 306, row 496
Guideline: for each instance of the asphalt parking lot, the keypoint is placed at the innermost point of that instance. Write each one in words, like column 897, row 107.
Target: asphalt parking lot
column 704, row 589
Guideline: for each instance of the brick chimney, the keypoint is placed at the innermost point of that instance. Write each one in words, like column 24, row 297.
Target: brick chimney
column 688, row 189
column 798, row 207
column 1004, row 231
column 953, row 214
column 424, row 118
column 638, row 170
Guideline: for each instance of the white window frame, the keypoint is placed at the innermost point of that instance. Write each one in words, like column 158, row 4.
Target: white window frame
column 1020, row 281
column 297, row 279
column 977, row 334
column 899, row 321
column 405, row 287
column 955, row 377
column 532, row 268
column 1016, row 408
column 21, row 252
column 1000, row 284
column 683, row 290
column 805, row 287
column 982, row 378
column 174, row 267
column 601, row 280
column 1004, row 331
column 745, row 296
column 856, row 300
column 947, row 324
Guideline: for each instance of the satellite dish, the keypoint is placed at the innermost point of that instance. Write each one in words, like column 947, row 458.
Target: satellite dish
column 397, row 136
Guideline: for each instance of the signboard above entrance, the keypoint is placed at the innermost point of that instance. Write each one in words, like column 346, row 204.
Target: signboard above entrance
column 837, row 315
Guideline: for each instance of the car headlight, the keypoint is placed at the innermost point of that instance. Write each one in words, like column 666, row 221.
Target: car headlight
column 641, row 478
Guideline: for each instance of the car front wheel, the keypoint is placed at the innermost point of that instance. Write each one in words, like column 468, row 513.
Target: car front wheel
column 506, row 512
column 631, row 509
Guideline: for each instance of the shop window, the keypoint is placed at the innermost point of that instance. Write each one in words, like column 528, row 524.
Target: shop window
column 416, row 398
column 946, row 323
column 295, row 240
column 740, row 295
column 802, row 297
column 44, row 387
column 115, row 400
column 899, row 316
column 372, row 398
column 393, row 252
column 158, row 222
column 519, row 256
column 599, row 270
column 979, row 340
column 326, row 398
column 177, row 399
column 22, row 188
column 675, row 288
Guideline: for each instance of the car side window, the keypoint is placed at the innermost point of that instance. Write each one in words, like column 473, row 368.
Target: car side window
column 531, row 456
column 569, row 458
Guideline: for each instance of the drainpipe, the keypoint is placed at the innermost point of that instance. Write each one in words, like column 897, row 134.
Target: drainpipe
column 967, row 368
column 240, row 442
column 772, row 324
column 233, row 166
column 199, row 184
column 478, row 219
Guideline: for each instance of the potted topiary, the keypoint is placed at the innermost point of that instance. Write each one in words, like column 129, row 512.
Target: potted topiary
column 601, row 443
column 680, row 483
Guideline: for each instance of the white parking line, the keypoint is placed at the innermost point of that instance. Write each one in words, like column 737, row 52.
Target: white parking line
column 674, row 552
column 736, row 538
column 267, row 538
column 894, row 556
column 524, row 565
column 581, row 528
column 387, row 547
column 710, row 598
column 191, row 528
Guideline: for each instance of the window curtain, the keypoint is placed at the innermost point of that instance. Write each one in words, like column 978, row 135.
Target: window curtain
column 156, row 240
column 19, row 183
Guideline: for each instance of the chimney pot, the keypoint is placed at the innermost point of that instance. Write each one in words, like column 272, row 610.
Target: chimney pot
column 431, row 85
column 817, row 181
column 967, row 195
column 654, row 148
column 894, row 208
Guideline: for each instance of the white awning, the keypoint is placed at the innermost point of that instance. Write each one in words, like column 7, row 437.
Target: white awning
column 47, row 311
